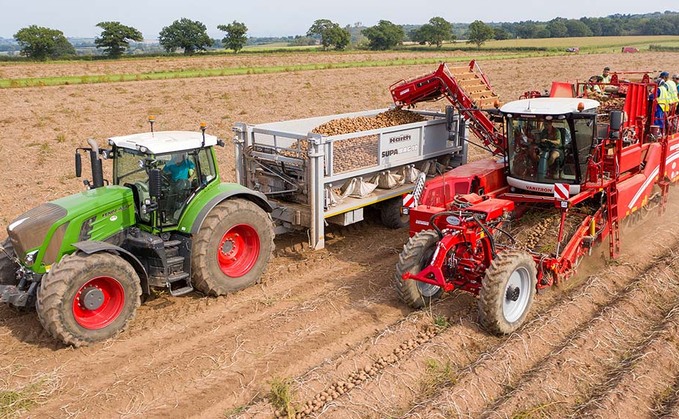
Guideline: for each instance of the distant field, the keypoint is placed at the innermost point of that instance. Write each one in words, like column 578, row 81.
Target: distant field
column 280, row 58
column 589, row 44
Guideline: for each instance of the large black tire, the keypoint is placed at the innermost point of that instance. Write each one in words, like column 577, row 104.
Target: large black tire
column 390, row 214
column 88, row 298
column 507, row 292
column 416, row 255
column 232, row 247
column 8, row 267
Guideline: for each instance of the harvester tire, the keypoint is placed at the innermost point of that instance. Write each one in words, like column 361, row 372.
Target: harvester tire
column 232, row 247
column 8, row 267
column 507, row 292
column 390, row 214
column 416, row 255
column 88, row 298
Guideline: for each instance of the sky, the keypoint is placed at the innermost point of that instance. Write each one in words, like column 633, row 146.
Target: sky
column 78, row 18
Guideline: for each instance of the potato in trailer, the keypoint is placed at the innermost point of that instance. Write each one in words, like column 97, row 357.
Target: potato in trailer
column 313, row 179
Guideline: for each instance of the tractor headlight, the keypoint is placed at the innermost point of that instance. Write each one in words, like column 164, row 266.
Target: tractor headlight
column 30, row 257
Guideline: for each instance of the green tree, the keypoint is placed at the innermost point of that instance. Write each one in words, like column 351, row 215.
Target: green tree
column 438, row 30
column 479, row 33
column 191, row 35
column 115, row 38
column 330, row 33
column 385, row 35
column 501, row 33
column 557, row 28
column 577, row 28
column 40, row 43
column 236, row 35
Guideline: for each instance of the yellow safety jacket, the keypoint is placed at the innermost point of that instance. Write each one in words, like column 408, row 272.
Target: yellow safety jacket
column 674, row 96
column 664, row 97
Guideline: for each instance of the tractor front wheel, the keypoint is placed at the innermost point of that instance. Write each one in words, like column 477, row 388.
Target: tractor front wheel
column 88, row 298
column 8, row 267
column 416, row 255
column 507, row 292
column 232, row 248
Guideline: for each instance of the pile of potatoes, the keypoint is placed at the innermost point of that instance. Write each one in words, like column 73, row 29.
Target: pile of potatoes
column 355, row 153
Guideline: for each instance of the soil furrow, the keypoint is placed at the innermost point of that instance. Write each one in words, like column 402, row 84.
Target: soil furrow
column 641, row 381
column 494, row 373
column 224, row 356
column 573, row 371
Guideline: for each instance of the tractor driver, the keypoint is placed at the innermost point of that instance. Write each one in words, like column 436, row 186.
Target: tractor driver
column 179, row 167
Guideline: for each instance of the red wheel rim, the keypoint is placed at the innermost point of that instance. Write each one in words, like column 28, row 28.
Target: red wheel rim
column 238, row 250
column 98, row 303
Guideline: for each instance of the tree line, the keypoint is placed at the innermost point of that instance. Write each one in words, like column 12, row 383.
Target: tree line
column 191, row 36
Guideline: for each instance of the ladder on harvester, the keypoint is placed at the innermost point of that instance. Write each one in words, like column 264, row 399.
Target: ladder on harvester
column 613, row 221
column 467, row 88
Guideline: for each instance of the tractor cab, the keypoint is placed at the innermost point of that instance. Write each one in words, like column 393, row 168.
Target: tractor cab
column 549, row 141
column 165, row 170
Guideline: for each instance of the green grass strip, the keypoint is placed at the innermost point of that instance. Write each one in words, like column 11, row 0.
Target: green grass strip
column 233, row 71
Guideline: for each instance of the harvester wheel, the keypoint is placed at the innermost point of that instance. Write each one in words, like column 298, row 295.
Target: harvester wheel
column 8, row 267
column 232, row 247
column 88, row 298
column 416, row 255
column 507, row 292
column 390, row 214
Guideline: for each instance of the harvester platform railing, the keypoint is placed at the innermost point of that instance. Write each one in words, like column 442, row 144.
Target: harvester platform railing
column 467, row 88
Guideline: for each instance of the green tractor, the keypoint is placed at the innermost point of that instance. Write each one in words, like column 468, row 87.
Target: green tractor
column 85, row 261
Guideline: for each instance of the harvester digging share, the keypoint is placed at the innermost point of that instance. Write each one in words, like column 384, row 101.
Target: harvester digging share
column 566, row 172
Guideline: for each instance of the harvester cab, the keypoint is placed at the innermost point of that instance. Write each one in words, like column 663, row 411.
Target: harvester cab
column 549, row 141
column 163, row 221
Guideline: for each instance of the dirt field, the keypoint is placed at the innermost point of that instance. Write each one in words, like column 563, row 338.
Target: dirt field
column 325, row 329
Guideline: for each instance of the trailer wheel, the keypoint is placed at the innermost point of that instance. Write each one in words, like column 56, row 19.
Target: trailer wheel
column 232, row 247
column 507, row 292
column 416, row 255
column 8, row 267
column 88, row 298
column 390, row 214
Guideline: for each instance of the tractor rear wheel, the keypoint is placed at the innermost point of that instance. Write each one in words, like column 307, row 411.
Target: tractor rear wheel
column 8, row 267
column 390, row 214
column 507, row 292
column 88, row 298
column 232, row 248
column 416, row 255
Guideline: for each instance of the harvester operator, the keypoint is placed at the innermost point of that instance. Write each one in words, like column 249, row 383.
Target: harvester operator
column 549, row 150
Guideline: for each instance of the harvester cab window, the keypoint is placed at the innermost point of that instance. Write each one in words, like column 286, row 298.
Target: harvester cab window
column 540, row 150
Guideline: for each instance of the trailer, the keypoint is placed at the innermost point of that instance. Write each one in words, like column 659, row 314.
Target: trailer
column 312, row 180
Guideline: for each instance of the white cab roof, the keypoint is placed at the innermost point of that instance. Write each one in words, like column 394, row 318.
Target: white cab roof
column 163, row 141
column 548, row 106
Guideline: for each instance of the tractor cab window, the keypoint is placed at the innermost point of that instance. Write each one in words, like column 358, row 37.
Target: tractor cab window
column 179, row 181
column 541, row 150
column 130, row 169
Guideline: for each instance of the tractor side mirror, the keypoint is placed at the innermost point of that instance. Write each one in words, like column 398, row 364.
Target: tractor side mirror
column 154, row 183
column 78, row 165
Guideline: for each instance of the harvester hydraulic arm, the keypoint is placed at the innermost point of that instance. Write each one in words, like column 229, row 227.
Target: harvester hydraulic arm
column 442, row 83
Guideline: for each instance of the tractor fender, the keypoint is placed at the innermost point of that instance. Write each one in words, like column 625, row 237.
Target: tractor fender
column 93, row 246
column 192, row 222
